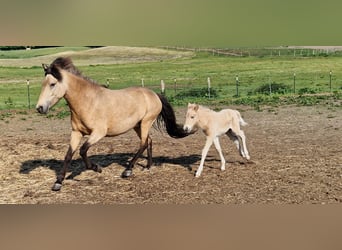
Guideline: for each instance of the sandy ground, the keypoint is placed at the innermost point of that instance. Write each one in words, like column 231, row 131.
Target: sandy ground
column 296, row 157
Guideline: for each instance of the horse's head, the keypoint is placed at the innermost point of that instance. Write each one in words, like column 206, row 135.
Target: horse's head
column 191, row 118
column 53, row 88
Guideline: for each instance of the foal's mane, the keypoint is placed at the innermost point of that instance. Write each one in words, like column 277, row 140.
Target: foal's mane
column 205, row 109
column 66, row 64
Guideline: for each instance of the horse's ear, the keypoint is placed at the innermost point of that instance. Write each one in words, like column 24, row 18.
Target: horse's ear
column 189, row 104
column 196, row 107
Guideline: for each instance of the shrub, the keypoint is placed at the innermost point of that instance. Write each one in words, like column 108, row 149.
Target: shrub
column 197, row 92
column 275, row 88
column 306, row 91
column 9, row 102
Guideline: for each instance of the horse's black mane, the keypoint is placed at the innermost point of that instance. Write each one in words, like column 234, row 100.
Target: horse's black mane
column 65, row 63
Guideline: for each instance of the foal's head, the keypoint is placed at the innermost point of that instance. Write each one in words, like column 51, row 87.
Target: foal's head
column 191, row 118
column 53, row 87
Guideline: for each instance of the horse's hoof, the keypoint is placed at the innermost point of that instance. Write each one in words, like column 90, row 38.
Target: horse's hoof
column 57, row 187
column 98, row 169
column 127, row 173
column 95, row 167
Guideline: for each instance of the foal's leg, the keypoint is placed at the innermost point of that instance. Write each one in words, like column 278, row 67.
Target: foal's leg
column 219, row 150
column 207, row 145
column 74, row 141
column 237, row 141
column 241, row 134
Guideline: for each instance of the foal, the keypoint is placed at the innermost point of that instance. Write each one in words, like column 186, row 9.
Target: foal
column 215, row 124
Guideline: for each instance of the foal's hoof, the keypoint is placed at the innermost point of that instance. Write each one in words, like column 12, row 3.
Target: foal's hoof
column 127, row 173
column 56, row 187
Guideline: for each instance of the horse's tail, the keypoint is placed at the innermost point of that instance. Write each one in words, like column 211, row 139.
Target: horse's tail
column 241, row 121
column 167, row 119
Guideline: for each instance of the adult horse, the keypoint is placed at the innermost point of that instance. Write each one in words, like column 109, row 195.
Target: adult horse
column 98, row 112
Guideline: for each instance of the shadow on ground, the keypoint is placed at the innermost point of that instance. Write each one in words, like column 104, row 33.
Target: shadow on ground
column 122, row 159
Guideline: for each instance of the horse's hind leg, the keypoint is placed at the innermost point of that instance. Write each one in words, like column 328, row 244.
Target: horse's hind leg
column 145, row 143
column 149, row 153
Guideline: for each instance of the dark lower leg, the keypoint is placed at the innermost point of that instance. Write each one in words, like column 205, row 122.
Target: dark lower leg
column 60, row 177
column 87, row 162
column 149, row 154
column 129, row 170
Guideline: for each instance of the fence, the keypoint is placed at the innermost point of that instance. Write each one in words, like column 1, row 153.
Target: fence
column 211, row 87
column 239, row 85
column 272, row 52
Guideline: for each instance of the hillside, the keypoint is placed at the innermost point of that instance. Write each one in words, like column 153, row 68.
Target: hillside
column 103, row 55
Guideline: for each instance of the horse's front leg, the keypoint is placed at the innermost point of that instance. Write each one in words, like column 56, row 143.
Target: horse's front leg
column 205, row 150
column 93, row 138
column 74, row 141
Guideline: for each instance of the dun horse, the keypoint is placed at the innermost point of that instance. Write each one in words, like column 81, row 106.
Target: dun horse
column 98, row 112
column 215, row 124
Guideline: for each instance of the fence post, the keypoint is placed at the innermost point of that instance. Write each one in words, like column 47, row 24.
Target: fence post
column 209, row 86
column 330, row 80
column 162, row 87
column 237, row 85
column 294, row 83
column 28, row 93
column 175, row 86
column 270, row 85
column 142, row 82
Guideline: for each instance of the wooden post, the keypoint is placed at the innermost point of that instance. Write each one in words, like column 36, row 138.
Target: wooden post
column 330, row 80
column 28, row 93
column 142, row 82
column 270, row 86
column 209, row 86
column 162, row 87
column 294, row 83
column 175, row 86
column 237, row 85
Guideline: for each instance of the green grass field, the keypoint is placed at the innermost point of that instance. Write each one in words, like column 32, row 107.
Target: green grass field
column 180, row 74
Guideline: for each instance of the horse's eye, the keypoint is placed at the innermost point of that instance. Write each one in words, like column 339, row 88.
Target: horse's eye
column 192, row 117
column 52, row 84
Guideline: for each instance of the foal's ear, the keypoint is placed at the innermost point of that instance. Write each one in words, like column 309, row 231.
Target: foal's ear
column 196, row 107
column 45, row 67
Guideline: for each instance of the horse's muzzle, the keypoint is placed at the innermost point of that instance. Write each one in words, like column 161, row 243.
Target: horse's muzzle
column 187, row 129
column 41, row 109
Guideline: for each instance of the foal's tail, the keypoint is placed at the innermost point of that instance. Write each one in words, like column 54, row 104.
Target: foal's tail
column 241, row 121
column 167, row 118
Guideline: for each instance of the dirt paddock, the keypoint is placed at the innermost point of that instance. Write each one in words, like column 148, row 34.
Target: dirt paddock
column 296, row 157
